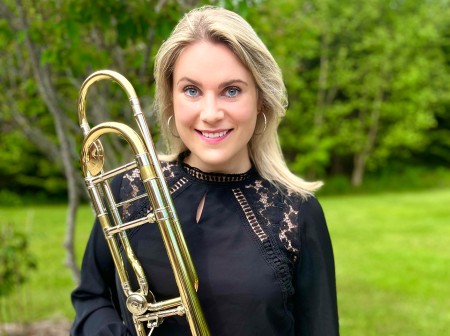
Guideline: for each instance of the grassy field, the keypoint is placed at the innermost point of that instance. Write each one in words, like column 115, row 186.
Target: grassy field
column 46, row 294
column 393, row 262
column 392, row 257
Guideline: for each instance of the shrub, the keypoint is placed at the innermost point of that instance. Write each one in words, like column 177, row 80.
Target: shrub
column 15, row 259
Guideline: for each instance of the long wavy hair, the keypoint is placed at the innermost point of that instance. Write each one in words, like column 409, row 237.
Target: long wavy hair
column 219, row 25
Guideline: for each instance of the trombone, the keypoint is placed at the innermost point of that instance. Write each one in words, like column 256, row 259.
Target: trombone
column 139, row 301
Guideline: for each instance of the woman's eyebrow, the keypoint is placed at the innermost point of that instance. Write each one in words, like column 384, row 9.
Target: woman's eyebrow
column 222, row 85
column 187, row 79
column 233, row 81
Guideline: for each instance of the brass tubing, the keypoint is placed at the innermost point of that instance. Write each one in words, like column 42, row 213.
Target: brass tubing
column 164, row 214
column 166, row 194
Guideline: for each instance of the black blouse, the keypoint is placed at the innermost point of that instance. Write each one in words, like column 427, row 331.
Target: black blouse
column 263, row 257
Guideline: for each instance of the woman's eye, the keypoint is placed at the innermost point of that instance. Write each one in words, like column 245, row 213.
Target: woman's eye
column 232, row 92
column 191, row 91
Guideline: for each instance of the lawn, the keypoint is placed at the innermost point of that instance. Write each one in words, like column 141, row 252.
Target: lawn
column 46, row 294
column 392, row 255
column 392, row 259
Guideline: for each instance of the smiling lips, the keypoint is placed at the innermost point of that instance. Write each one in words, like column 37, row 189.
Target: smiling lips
column 214, row 136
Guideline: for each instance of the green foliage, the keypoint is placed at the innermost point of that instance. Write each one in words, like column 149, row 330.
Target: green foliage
column 16, row 263
column 24, row 173
column 365, row 78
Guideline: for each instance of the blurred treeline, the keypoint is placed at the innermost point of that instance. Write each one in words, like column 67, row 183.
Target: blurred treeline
column 368, row 83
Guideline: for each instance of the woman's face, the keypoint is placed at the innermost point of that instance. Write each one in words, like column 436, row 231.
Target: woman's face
column 215, row 107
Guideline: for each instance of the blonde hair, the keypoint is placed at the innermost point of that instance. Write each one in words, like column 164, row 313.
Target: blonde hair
column 219, row 25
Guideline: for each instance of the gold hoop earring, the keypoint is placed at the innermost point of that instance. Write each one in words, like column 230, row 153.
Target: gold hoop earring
column 170, row 129
column 265, row 124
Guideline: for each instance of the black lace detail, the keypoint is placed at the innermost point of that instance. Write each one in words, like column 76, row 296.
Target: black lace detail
column 251, row 218
column 131, row 187
column 280, row 212
column 215, row 177
column 168, row 169
column 272, row 221
column 180, row 183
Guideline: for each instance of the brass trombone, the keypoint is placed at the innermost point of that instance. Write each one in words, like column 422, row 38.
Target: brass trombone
column 140, row 302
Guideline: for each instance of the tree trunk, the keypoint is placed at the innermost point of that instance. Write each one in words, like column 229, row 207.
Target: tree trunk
column 71, row 261
column 66, row 152
column 359, row 166
column 321, row 95
column 360, row 158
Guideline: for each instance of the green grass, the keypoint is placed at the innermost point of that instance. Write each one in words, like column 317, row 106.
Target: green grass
column 46, row 293
column 392, row 255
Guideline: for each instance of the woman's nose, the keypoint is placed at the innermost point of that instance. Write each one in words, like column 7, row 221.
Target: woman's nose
column 211, row 111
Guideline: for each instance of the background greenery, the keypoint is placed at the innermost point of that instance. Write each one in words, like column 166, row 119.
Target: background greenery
column 369, row 96
column 368, row 82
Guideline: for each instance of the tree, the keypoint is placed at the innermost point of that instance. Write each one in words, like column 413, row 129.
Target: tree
column 365, row 79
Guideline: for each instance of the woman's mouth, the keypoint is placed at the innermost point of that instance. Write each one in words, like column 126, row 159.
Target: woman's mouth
column 214, row 136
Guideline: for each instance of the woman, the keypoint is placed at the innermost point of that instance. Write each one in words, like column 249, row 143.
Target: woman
column 256, row 233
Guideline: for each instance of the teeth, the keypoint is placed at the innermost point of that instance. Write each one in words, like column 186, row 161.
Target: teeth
column 214, row 135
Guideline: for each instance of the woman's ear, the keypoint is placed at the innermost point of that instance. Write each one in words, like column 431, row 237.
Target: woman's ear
column 259, row 104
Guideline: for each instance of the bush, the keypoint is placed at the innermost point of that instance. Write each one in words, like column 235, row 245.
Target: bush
column 15, row 259
column 9, row 198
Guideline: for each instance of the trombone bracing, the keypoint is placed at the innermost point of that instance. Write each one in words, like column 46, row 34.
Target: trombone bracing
column 139, row 301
